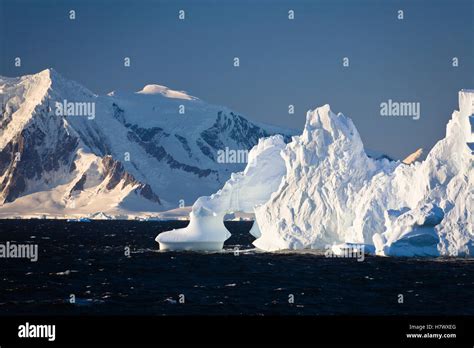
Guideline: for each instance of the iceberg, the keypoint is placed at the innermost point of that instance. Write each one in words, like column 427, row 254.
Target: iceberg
column 81, row 219
column 322, row 189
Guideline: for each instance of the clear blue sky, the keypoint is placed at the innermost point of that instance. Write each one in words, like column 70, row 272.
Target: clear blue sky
column 282, row 62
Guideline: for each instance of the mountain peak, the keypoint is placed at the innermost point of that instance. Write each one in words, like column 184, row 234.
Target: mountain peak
column 413, row 157
column 166, row 92
column 48, row 73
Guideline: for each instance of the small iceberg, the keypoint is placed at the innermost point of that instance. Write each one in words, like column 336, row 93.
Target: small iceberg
column 82, row 219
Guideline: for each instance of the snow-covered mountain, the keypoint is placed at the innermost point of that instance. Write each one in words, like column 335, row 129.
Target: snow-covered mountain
column 326, row 191
column 67, row 151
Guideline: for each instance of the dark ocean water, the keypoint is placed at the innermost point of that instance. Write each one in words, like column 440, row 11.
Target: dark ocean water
column 88, row 260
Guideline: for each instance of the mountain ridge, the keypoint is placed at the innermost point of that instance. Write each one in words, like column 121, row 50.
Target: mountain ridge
column 134, row 151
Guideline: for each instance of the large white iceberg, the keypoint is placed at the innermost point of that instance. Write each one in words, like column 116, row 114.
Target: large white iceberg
column 322, row 189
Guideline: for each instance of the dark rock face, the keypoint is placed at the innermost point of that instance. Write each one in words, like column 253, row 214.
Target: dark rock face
column 13, row 184
column 28, row 155
column 151, row 145
column 6, row 112
column 119, row 113
column 115, row 173
column 79, row 186
column 235, row 127
column 205, row 149
column 149, row 134
column 185, row 144
column 147, row 192
column 92, row 139
column 211, row 135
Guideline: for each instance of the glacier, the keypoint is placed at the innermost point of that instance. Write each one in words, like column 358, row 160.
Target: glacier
column 322, row 190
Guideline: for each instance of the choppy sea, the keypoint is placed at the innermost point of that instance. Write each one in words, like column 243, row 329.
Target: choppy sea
column 115, row 268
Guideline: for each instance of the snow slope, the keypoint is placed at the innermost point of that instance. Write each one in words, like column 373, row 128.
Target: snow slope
column 332, row 193
column 149, row 151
